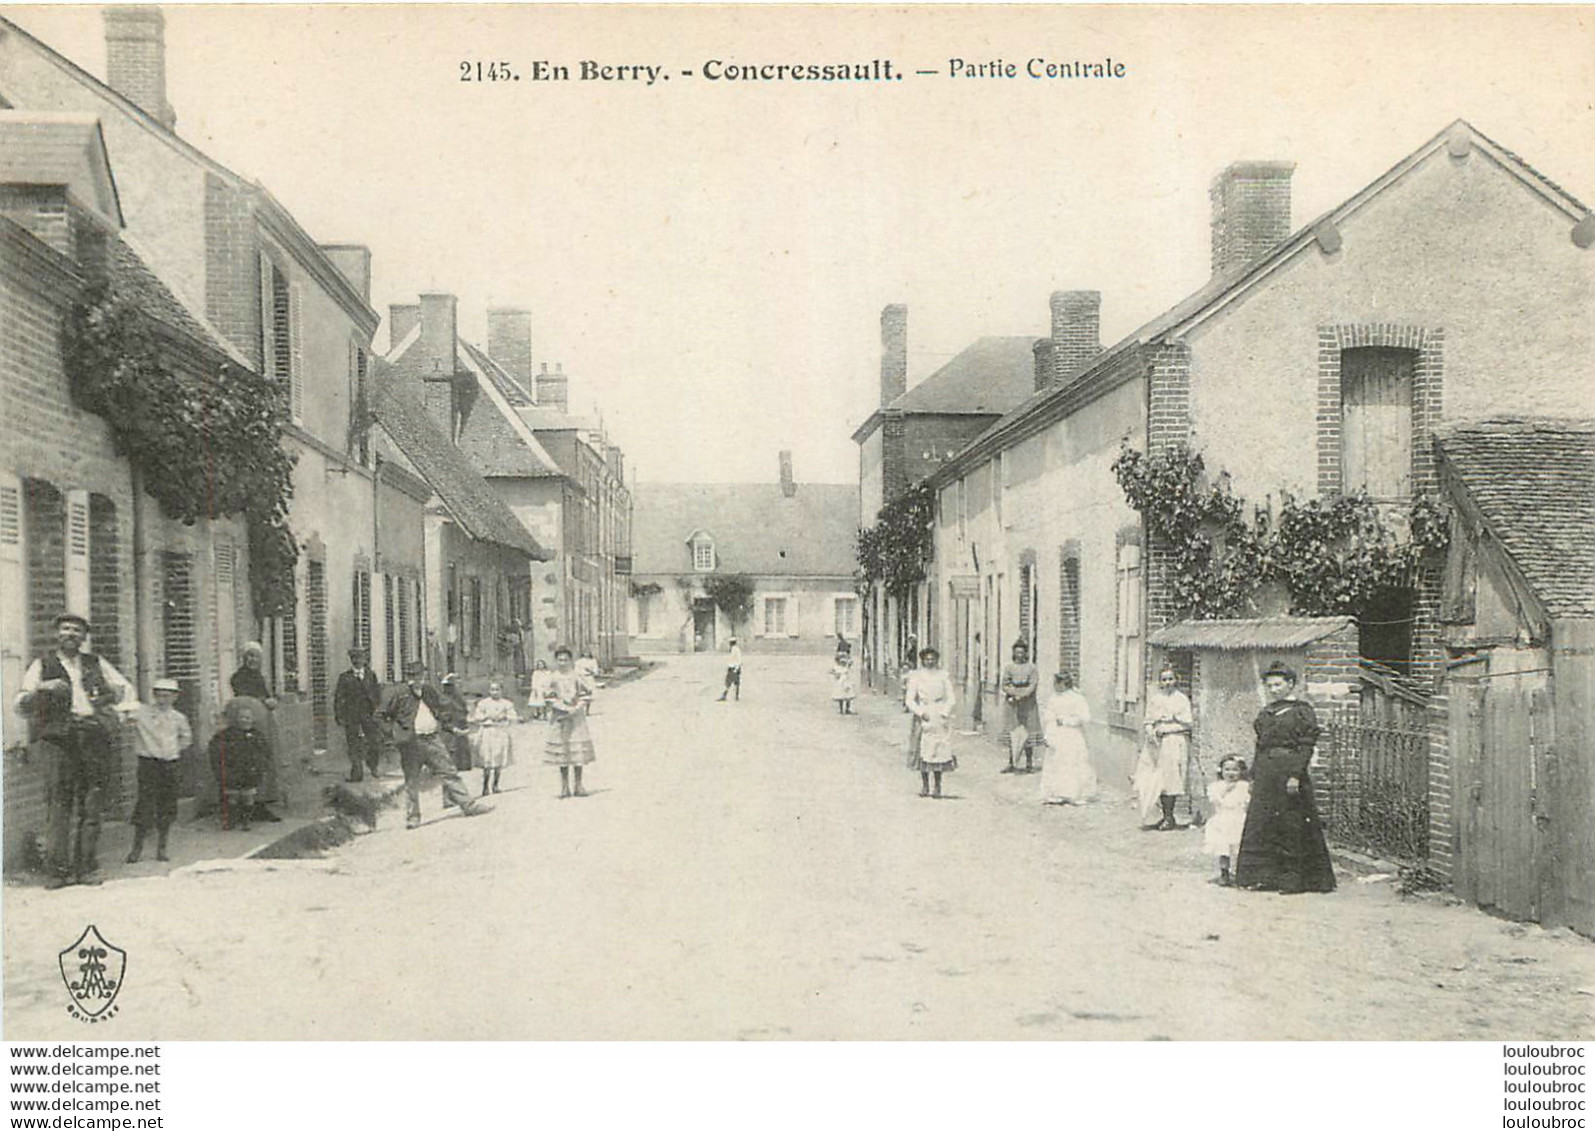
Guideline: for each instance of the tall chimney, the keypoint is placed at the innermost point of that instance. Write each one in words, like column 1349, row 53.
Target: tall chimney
column 135, row 58
column 788, row 484
column 1046, row 367
column 439, row 333
column 894, row 353
column 402, row 318
column 1251, row 211
column 1076, row 332
column 552, row 389
column 353, row 261
column 509, row 341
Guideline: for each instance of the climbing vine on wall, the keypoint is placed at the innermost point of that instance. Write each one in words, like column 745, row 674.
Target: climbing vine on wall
column 733, row 592
column 896, row 551
column 1332, row 555
column 205, row 446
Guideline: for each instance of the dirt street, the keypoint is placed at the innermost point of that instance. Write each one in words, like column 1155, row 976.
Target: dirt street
column 765, row 869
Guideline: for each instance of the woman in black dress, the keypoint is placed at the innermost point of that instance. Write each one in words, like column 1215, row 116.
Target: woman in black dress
column 1282, row 845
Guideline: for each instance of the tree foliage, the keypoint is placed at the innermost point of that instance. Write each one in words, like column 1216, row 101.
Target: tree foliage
column 733, row 593
column 1333, row 555
column 206, row 445
column 896, row 551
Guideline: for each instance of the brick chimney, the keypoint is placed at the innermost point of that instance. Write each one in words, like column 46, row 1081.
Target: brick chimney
column 353, row 262
column 1076, row 332
column 788, row 484
column 135, row 58
column 553, row 390
column 509, row 341
column 894, row 353
column 402, row 318
column 1251, row 211
column 435, row 360
column 1046, row 367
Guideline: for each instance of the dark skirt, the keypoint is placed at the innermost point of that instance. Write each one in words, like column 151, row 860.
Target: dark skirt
column 1282, row 844
column 158, row 784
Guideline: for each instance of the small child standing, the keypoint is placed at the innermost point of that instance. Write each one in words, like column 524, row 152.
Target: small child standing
column 494, row 715
column 844, row 684
column 1228, row 798
column 162, row 734
column 535, row 700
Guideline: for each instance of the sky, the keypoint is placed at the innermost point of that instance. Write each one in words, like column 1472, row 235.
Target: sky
column 709, row 259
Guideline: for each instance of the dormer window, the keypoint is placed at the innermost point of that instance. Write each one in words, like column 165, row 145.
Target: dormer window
column 702, row 552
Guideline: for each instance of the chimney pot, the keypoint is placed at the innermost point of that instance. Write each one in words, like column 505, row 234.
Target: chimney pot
column 1076, row 332
column 135, row 58
column 894, row 352
column 1251, row 211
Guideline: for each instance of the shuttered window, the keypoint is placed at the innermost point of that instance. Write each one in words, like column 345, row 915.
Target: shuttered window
column 1376, row 421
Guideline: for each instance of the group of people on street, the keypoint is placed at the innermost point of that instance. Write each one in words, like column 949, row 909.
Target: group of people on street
column 1260, row 820
column 77, row 703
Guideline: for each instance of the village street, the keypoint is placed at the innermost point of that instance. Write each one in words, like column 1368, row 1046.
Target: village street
column 766, row 870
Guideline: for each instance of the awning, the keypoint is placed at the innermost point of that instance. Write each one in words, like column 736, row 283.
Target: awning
column 1268, row 633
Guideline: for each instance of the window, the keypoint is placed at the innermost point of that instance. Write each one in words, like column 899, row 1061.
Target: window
column 1127, row 630
column 775, row 616
column 703, row 553
column 390, row 629
column 846, row 616
column 1069, row 612
column 642, row 614
column 1376, row 421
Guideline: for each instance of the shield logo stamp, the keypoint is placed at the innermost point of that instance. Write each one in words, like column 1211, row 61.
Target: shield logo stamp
column 92, row 969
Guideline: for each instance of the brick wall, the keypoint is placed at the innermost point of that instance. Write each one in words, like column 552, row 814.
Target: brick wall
column 1428, row 374
column 232, row 267
column 1251, row 211
column 1076, row 332
column 894, row 472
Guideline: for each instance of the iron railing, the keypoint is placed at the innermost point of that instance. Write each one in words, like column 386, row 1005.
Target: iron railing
column 1373, row 783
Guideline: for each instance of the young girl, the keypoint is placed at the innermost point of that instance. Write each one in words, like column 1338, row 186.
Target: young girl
column 844, row 686
column 1066, row 774
column 929, row 696
column 536, row 701
column 494, row 715
column 1228, row 797
column 570, row 743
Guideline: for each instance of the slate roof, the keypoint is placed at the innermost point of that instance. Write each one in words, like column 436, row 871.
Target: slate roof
column 1533, row 483
column 1213, row 294
column 466, row 495
column 753, row 525
column 986, row 378
column 1247, row 635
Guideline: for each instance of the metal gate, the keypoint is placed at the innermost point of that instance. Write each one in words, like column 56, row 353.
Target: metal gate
column 1374, row 788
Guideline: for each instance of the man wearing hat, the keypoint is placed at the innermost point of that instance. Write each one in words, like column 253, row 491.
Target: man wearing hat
column 421, row 717
column 354, row 708
column 161, row 733
column 62, row 693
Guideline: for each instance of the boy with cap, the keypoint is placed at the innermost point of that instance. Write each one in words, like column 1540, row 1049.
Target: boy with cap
column 62, row 694
column 421, row 716
column 354, row 708
column 161, row 733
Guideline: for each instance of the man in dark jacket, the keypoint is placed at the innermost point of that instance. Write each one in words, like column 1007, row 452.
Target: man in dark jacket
column 420, row 717
column 65, row 693
column 354, row 708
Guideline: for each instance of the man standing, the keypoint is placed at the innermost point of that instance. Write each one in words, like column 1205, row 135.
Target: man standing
column 421, row 716
column 61, row 694
column 733, row 671
column 162, row 733
column 354, row 708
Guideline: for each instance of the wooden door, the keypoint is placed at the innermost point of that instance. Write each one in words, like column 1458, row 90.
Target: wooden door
column 1503, row 741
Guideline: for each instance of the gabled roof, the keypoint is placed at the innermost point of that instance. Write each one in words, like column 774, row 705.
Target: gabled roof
column 1532, row 484
column 134, row 281
column 1105, row 372
column 756, row 529
column 55, row 148
column 465, row 494
column 986, row 378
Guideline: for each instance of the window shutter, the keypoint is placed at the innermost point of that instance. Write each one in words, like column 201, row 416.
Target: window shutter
column 296, row 363
column 224, row 601
column 267, row 320
column 13, row 607
column 77, row 551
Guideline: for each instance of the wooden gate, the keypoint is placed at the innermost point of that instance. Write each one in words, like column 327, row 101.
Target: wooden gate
column 1501, row 740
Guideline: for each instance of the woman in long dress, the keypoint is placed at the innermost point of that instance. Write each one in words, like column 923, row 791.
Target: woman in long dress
column 929, row 696
column 1282, row 844
column 1159, row 775
column 493, row 716
column 570, row 743
column 1020, row 687
column 1066, row 774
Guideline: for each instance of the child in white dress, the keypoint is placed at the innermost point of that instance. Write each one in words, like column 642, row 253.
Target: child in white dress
column 1228, row 798
column 493, row 716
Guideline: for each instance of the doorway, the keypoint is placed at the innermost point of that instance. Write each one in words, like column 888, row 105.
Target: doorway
column 703, row 624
